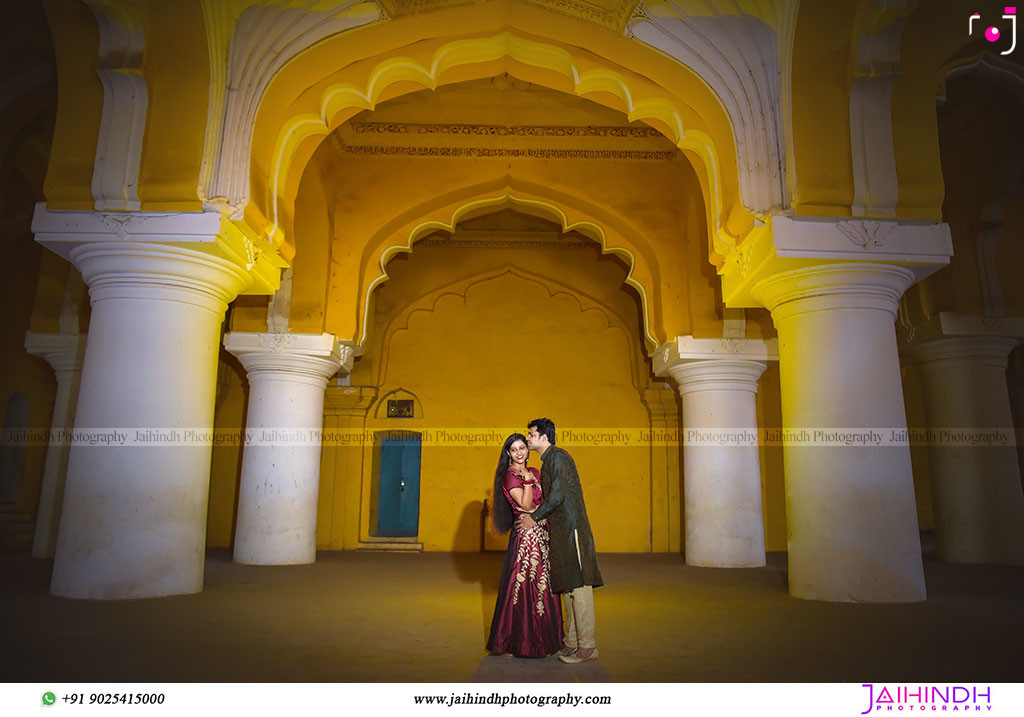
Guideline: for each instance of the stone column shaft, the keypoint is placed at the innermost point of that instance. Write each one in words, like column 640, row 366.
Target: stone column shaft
column 64, row 352
column 277, row 501
column 722, row 480
column 851, row 513
column 134, row 517
column 976, row 489
column 717, row 380
column 133, row 521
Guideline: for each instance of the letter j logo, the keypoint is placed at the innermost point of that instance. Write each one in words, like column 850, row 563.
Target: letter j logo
column 993, row 33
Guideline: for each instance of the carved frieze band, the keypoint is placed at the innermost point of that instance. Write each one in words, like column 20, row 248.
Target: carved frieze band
column 613, row 18
column 527, row 153
column 610, row 15
column 503, row 244
column 481, row 130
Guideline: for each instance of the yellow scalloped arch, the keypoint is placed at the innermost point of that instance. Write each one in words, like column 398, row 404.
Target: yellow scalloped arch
column 530, row 206
column 336, row 98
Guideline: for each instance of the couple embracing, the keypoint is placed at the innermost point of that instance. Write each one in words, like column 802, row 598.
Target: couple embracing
column 550, row 552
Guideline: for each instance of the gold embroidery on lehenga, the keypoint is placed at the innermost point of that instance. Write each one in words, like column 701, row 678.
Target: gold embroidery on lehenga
column 532, row 562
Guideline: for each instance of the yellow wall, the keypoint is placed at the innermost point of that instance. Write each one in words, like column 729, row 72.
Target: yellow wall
column 656, row 204
column 176, row 67
column 773, row 483
column 226, row 462
column 76, row 39
column 495, row 353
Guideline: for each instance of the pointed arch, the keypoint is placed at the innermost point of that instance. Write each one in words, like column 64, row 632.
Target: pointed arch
column 613, row 234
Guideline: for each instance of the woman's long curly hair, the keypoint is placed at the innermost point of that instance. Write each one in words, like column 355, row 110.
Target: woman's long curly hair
column 502, row 514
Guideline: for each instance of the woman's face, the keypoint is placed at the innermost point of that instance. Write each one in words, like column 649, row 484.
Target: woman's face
column 518, row 452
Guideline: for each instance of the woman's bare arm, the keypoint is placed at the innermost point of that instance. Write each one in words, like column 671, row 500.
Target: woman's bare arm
column 523, row 497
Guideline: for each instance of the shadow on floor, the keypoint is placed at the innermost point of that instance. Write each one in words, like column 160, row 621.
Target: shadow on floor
column 376, row 617
column 515, row 669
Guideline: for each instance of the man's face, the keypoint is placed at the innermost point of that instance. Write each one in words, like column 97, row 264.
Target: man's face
column 534, row 440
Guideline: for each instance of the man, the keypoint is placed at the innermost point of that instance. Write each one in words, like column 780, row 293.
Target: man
column 573, row 558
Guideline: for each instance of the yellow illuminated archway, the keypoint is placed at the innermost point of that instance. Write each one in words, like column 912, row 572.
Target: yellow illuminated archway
column 286, row 135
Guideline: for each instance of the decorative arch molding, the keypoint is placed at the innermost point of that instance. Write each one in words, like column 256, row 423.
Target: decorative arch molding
column 728, row 220
column 248, row 44
column 429, row 301
column 738, row 56
column 987, row 66
column 115, row 177
column 699, row 34
column 877, row 66
column 612, row 239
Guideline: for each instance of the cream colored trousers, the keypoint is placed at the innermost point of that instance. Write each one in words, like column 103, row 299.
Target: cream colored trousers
column 579, row 617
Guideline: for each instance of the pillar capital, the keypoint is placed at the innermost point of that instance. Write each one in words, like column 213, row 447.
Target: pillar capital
column 310, row 358
column 715, row 364
column 199, row 257
column 787, row 244
column 718, row 375
column 846, row 285
column 946, row 339
column 962, row 352
column 64, row 352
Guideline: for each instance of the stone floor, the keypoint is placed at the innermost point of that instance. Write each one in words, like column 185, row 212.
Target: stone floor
column 366, row 617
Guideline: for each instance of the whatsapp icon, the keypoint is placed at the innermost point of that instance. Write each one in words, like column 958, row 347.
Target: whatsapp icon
column 49, row 698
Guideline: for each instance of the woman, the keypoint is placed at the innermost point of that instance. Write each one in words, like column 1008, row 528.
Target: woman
column 527, row 618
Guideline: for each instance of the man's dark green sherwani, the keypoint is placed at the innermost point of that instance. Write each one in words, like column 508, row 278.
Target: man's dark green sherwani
column 568, row 525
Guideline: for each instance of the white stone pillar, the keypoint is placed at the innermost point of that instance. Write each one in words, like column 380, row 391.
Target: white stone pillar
column 1015, row 384
column 133, row 523
column 976, row 489
column 851, row 513
column 64, row 352
column 280, row 481
column 717, row 380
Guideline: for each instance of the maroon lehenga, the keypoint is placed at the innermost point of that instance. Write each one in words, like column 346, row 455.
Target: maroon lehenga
column 527, row 616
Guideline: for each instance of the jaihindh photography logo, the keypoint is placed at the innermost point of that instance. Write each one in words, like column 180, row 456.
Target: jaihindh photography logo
column 927, row 698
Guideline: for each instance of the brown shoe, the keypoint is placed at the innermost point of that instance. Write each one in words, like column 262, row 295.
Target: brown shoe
column 583, row 654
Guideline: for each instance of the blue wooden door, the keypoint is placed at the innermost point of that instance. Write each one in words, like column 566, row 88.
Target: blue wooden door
column 398, row 504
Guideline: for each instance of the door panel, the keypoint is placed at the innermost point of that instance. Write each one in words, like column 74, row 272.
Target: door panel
column 398, row 506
